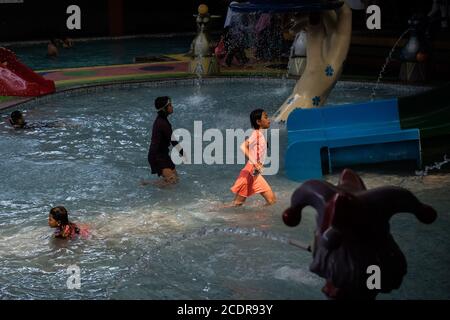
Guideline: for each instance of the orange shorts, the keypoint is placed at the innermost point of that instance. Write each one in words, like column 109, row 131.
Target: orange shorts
column 247, row 185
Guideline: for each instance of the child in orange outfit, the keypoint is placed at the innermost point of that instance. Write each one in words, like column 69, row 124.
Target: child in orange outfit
column 250, row 180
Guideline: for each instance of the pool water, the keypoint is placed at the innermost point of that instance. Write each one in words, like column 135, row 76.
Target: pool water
column 100, row 52
column 177, row 242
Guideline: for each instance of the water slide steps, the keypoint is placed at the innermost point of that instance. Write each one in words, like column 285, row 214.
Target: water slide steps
column 321, row 139
column 16, row 79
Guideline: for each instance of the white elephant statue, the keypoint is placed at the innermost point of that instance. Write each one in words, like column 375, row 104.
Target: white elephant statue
column 328, row 36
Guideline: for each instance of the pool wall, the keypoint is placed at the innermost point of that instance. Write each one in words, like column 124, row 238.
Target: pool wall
column 161, row 82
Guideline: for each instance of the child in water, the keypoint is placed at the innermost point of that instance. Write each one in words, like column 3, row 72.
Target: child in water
column 250, row 180
column 158, row 153
column 17, row 120
column 52, row 49
column 59, row 219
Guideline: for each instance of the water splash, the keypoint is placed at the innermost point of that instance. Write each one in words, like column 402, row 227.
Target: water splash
column 199, row 51
column 142, row 262
column 298, row 275
column 388, row 59
column 199, row 70
column 205, row 232
column 420, row 174
column 436, row 165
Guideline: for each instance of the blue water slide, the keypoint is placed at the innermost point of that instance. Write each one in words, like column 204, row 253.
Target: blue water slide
column 321, row 139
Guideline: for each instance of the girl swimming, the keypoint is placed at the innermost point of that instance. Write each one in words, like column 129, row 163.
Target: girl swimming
column 250, row 180
column 59, row 219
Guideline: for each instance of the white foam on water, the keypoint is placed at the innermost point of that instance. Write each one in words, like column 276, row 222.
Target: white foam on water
column 300, row 276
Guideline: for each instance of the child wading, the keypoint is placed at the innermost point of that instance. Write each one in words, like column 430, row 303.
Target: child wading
column 158, row 153
column 250, row 180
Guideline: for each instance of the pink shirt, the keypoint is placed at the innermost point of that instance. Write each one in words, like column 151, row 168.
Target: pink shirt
column 257, row 146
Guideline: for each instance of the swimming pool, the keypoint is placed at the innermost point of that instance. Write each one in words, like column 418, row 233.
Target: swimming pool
column 175, row 243
column 101, row 52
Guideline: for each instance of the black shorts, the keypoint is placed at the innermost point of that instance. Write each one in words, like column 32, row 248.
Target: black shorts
column 158, row 162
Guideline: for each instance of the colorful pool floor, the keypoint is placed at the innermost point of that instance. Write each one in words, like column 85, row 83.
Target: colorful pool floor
column 76, row 76
column 177, row 67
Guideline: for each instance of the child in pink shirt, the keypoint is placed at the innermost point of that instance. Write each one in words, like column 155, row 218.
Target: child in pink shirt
column 250, row 180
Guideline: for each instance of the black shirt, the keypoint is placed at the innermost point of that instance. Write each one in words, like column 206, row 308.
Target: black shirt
column 161, row 136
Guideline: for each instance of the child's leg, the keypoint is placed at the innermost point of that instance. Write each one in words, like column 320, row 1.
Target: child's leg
column 170, row 176
column 239, row 200
column 269, row 196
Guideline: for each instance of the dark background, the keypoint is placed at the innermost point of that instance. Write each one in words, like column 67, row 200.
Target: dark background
column 44, row 19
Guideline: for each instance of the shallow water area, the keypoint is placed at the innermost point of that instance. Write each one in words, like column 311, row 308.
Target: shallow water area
column 177, row 242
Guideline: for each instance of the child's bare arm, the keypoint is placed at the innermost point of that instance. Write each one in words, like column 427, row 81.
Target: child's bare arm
column 246, row 150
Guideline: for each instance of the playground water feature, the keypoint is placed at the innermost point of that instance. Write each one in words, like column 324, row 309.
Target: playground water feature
column 177, row 243
column 386, row 63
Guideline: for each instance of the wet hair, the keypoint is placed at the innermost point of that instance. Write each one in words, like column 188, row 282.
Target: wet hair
column 161, row 103
column 16, row 115
column 256, row 115
column 60, row 214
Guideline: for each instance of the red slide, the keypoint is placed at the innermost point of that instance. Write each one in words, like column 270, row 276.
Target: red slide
column 16, row 79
